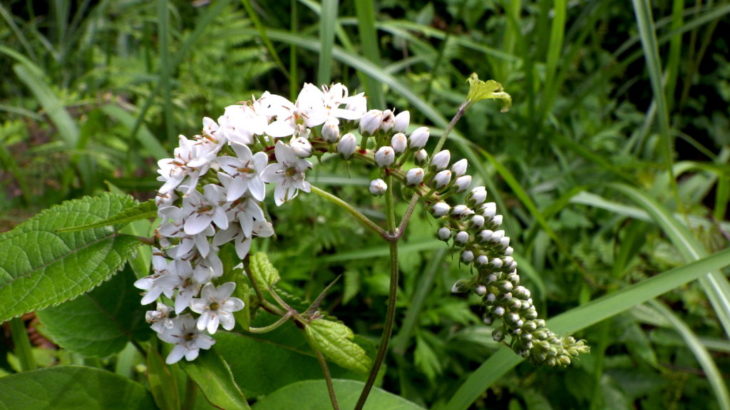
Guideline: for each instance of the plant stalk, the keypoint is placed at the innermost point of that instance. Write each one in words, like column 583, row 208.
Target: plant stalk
column 327, row 379
column 367, row 222
column 21, row 343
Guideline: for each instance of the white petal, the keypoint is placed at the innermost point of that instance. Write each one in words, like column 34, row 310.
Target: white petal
column 213, row 323
column 192, row 354
column 196, row 223
column 220, row 218
column 278, row 129
column 176, row 354
column 225, row 290
column 227, row 320
column 257, row 188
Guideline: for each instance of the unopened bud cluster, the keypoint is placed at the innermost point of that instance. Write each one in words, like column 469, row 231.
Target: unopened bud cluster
column 473, row 228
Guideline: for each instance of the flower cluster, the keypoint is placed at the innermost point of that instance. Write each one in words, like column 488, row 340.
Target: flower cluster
column 212, row 193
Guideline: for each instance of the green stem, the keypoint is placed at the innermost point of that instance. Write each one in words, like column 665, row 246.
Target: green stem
column 21, row 342
column 367, row 222
column 271, row 327
column 459, row 113
column 327, row 379
column 191, row 390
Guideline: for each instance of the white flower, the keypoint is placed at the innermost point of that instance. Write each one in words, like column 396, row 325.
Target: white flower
column 287, row 173
column 459, row 167
column 440, row 209
column 399, row 142
column 421, row 156
column 371, row 121
column 159, row 319
column 202, row 210
column 240, row 123
column 462, row 183
column 467, row 256
column 444, row 233
column 442, row 178
column 187, row 288
column 246, row 212
column 384, row 156
column 187, row 338
column 489, row 209
column 378, row 187
column 347, row 145
column 156, row 285
column 216, row 306
column 281, row 112
column 419, row 137
column 331, row 131
column 414, row 176
column 401, row 121
column 301, row 147
column 321, row 106
column 477, row 195
column 192, row 159
column 242, row 173
column 441, row 159
column 388, row 121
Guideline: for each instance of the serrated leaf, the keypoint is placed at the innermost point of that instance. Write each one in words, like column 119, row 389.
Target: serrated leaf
column 100, row 322
column 490, row 89
column 334, row 340
column 262, row 270
column 312, row 395
column 213, row 375
column 144, row 210
column 40, row 267
column 72, row 387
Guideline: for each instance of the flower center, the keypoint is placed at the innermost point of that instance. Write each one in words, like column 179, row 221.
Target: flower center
column 214, row 306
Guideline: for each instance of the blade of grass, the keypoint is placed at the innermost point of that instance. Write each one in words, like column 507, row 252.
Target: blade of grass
column 714, row 283
column 163, row 32
column 584, row 316
column 8, row 17
column 293, row 70
column 262, row 32
column 675, row 51
column 145, row 137
column 555, row 47
column 713, row 374
column 327, row 21
column 365, row 10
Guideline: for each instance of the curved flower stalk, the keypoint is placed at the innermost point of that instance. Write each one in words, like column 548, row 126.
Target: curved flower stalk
column 212, row 193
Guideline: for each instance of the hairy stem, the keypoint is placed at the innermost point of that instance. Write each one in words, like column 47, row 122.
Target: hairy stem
column 21, row 343
column 327, row 379
column 367, row 222
column 459, row 113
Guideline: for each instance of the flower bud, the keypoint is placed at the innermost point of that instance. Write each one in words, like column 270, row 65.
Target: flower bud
column 388, row 121
column 497, row 263
column 489, row 209
column 414, row 176
column 419, row 137
column 347, row 145
column 504, row 242
column 497, row 220
column 461, row 286
column 461, row 237
column 331, row 131
column 509, row 251
column 491, row 278
column 499, row 311
column 467, row 256
column 401, row 121
column 378, row 187
column 462, row 183
column 442, row 178
column 497, row 235
column 441, row 159
column 399, row 142
column 498, row 334
column 477, row 221
column 459, row 167
column 421, row 156
column 301, row 147
column 384, row 156
column 371, row 121
column 481, row 290
column 482, row 260
column 491, row 298
column 477, row 195
column 485, row 235
column 440, row 209
column 444, row 233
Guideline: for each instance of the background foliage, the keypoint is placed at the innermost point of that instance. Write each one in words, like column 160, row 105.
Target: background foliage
column 611, row 170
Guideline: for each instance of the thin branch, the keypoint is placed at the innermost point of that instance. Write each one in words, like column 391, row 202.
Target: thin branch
column 327, row 379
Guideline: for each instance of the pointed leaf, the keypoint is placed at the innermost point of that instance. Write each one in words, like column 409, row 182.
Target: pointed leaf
column 144, row 210
column 213, row 375
column 262, row 269
column 334, row 339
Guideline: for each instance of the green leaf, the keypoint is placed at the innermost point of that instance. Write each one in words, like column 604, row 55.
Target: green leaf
column 144, row 210
column 262, row 270
column 72, row 387
column 334, row 339
column 100, row 322
column 261, row 364
column 40, row 267
column 312, row 395
column 213, row 375
column 490, row 89
column 162, row 379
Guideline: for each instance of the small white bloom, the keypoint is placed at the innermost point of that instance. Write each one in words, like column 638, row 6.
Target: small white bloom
column 331, row 131
column 384, row 156
column 462, row 183
column 401, row 121
column 497, row 263
column 419, row 137
column 242, row 173
column 444, row 233
column 240, row 123
column 414, row 176
column 482, row 260
column 301, row 147
column 509, row 251
column 399, row 142
column 440, row 209
column 371, row 121
column 192, row 158
column 489, row 209
column 216, row 306
column 477, row 195
column 388, row 121
column 378, row 187
column 441, row 159
column 497, row 235
column 485, row 235
column 461, row 237
column 459, row 167
column 202, row 210
column 347, row 145
column 497, row 220
column 159, row 319
column 467, row 256
column 504, row 242
column 477, row 221
column 287, row 173
column 461, row 210
column 481, row 290
column 421, row 156
column 187, row 338
column 442, row 178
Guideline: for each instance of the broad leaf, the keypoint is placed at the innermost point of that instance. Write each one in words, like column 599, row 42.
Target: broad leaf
column 72, row 387
column 100, row 322
column 41, row 267
column 144, row 210
column 262, row 270
column 213, row 375
column 334, row 339
column 490, row 89
column 312, row 395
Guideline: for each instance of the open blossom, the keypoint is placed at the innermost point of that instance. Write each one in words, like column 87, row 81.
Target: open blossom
column 287, row 173
column 242, row 173
column 202, row 210
column 216, row 306
column 187, row 338
column 239, row 124
column 191, row 159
